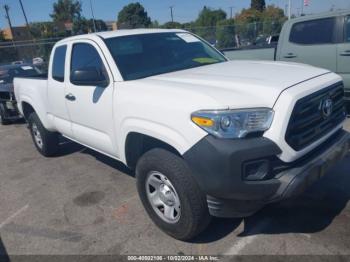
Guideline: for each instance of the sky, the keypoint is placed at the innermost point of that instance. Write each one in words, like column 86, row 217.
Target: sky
column 184, row 10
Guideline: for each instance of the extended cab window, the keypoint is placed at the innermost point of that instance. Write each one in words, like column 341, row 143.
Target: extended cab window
column 86, row 56
column 313, row 32
column 58, row 63
column 347, row 29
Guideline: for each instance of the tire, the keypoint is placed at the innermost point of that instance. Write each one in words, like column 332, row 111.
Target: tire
column 193, row 216
column 3, row 120
column 46, row 142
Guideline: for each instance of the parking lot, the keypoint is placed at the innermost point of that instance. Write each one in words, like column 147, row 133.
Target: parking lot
column 82, row 202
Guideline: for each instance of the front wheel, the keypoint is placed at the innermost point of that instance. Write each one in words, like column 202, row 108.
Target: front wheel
column 170, row 194
column 46, row 142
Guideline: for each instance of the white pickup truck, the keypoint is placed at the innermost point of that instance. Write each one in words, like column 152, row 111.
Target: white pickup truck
column 206, row 136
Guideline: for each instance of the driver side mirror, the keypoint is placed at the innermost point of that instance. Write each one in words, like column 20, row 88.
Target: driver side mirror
column 88, row 76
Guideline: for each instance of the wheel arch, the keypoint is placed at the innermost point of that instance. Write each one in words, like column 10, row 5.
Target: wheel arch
column 27, row 107
column 137, row 144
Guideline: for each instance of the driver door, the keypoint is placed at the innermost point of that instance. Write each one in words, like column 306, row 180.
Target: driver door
column 91, row 106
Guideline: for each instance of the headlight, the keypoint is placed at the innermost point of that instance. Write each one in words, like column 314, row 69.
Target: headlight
column 234, row 123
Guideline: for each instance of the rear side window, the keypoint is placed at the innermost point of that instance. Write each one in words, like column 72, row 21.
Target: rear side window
column 313, row 32
column 347, row 29
column 58, row 63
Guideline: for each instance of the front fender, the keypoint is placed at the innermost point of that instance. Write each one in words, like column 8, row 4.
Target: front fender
column 180, row 141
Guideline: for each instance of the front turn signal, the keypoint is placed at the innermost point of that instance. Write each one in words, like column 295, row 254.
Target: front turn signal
column 202, row 121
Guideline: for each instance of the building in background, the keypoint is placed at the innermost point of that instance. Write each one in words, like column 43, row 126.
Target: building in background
column 111, row 25
column 18, row 33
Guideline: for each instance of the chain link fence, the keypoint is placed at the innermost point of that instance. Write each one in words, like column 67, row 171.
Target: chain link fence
column 37, row 51
column 240, row 35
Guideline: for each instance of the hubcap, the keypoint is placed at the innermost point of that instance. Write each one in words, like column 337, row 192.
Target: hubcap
column 163, row 197
column 37, row 136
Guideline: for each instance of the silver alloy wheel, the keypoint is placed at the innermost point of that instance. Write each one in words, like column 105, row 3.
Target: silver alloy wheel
column 163, row 197
column 37, row 136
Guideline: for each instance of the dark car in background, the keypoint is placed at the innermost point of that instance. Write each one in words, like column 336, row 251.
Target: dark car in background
column 8, row 104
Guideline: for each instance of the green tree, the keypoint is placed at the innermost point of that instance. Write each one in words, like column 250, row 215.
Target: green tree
column 259, row 5
column 66, row 11
column 170, row 25
column 249, row 24
column 273, row 19
column 225, row 33
column 133, row 15
column 43, row 30
column 188, row 25
column 154, row 24
column 84, row 26
column 209, row 17
column 100, row 25
column 206, row 23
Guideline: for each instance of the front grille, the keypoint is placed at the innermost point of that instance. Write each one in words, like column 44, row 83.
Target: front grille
column 308, row 123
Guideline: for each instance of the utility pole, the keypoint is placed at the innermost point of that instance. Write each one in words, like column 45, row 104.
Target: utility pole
column 286, row 9
column 289, row 9
column 24, row 14
column 231, row 11
column 27, row 25
column 171, row 13
column 93, row 17
column 302, row 7
column 7, row 8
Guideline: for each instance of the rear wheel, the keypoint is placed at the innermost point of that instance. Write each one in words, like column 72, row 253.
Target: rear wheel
column 45, row 141
column 170, row 195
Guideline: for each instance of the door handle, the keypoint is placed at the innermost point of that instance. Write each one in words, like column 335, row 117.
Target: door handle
column 70, row 97
column 345, row 53
column 290, row 55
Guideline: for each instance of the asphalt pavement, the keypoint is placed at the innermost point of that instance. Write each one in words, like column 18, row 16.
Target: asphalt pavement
column 81, row 202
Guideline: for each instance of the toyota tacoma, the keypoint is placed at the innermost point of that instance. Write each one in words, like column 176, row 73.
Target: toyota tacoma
column 205, row 136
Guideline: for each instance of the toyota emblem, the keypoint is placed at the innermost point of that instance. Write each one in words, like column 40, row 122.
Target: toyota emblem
column 327, row 107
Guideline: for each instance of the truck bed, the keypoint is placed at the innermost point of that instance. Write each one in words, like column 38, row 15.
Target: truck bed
column 38, row 77
column 251, row 53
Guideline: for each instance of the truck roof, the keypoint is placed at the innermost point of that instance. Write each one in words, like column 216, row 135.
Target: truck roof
column 121, row 32
column 321, row 15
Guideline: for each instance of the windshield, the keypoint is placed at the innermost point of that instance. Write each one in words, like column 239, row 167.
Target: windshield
column 140, row 56
column 7, row 74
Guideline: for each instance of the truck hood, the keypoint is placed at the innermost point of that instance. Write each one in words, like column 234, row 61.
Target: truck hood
column 239, row 84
